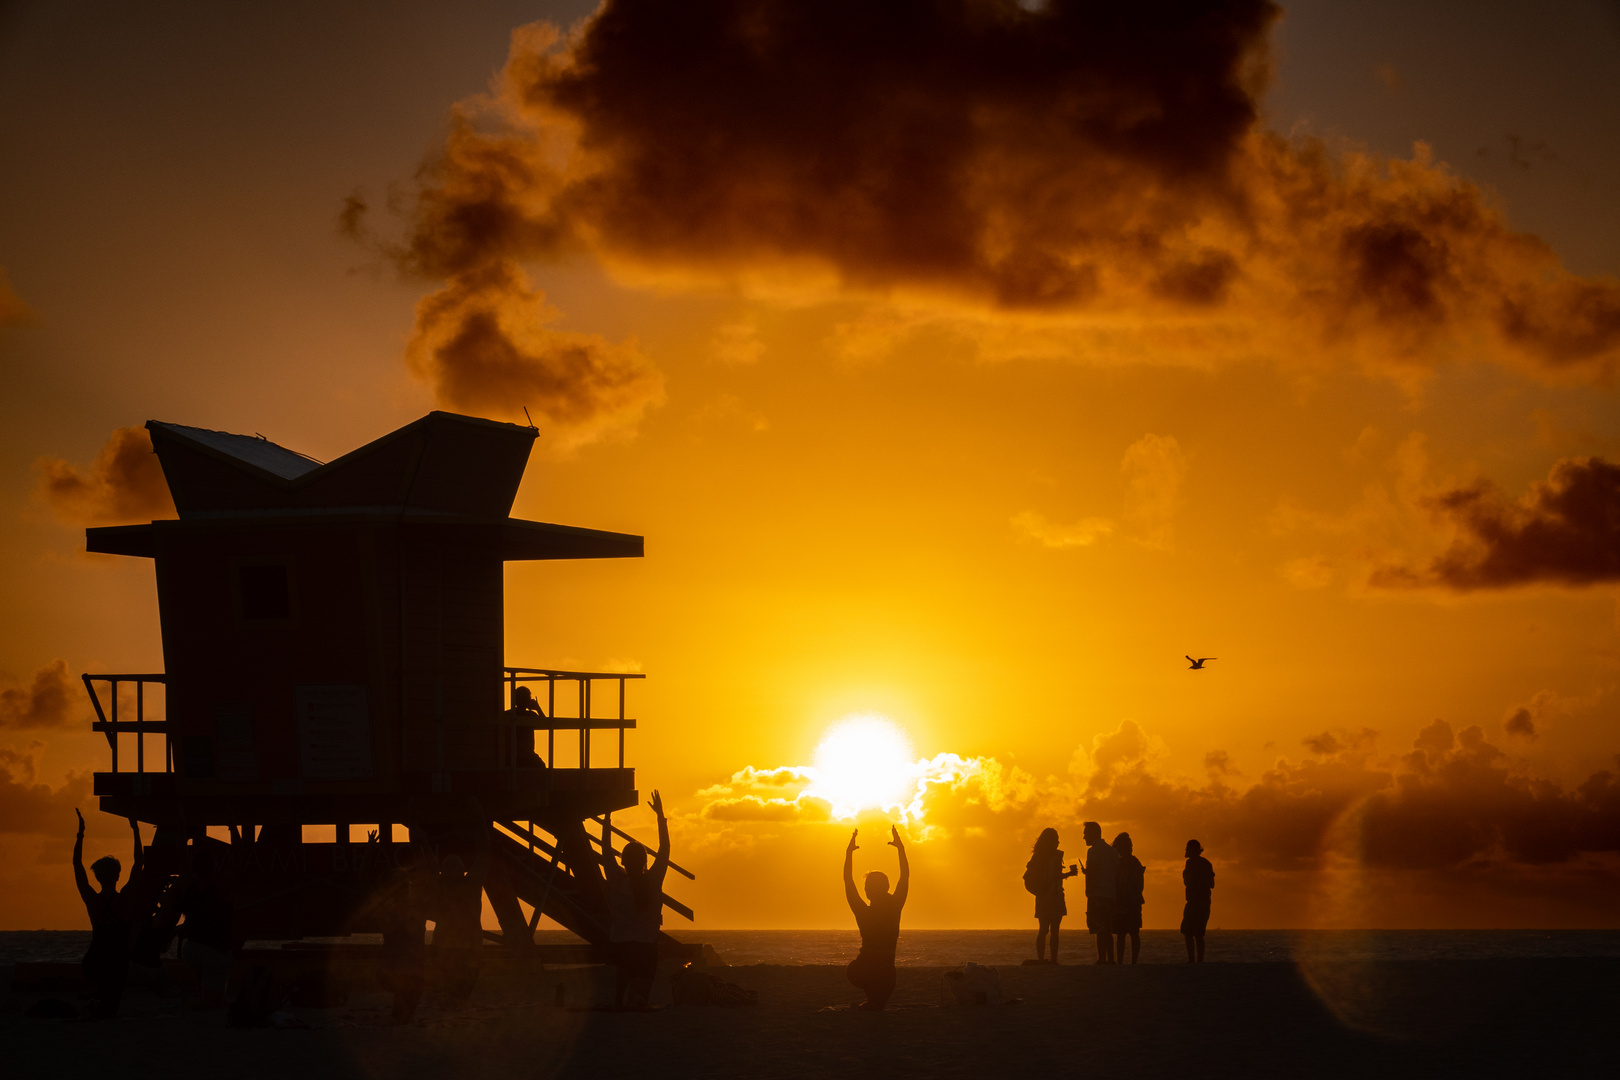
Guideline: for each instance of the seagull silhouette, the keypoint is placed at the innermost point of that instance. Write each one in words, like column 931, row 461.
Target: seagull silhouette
column 1198, row 665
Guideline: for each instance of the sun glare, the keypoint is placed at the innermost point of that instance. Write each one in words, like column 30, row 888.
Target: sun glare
column 863, row 763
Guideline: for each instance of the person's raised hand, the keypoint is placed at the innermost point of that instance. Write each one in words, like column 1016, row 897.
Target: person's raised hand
column 894, row 837
column 81, row 820
column 853, row 846
column 657, row 803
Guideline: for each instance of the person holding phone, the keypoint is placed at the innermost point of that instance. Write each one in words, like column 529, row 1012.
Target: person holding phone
column 1043, row 876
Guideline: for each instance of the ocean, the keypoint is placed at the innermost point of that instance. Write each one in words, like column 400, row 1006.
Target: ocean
column 949, row 948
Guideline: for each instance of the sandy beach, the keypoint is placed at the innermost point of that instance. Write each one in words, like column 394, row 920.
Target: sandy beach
column 1439, row 1018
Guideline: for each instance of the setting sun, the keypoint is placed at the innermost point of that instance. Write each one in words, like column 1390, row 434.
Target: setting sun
column 862, row 763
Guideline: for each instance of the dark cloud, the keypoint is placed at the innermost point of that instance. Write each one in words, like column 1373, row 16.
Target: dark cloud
column 1520, row 723
column 29, row 807
column 1074, row 158
column 13, row 312
column 123, row 485
column 1564, row 531
column 1452, row 801
column 484, row 343
column 46, row 702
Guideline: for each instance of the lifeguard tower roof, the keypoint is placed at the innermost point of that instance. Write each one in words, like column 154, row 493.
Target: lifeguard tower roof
column 443, row 468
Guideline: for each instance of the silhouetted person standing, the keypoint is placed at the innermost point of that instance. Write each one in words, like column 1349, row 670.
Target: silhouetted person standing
column 1199, row 878
column 1101, row 873
column 458, row 924
column 878, row 917
column 106, row 963
column 635, row 910
column 1128, row 898
column 1043, row 876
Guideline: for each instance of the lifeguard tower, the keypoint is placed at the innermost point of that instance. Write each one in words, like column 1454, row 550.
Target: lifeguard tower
column 333, row 638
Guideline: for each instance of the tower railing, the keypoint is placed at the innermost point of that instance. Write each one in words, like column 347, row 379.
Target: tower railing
column 112, row 726
column 580, row 696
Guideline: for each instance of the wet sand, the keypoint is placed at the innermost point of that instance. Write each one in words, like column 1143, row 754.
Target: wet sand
column 1432, row 1019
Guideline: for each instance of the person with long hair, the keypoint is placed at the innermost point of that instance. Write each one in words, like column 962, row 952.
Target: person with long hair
column 878, row 917
column 1128, row 883
column 106, row 963
column 1043, row 876
column 635, row 909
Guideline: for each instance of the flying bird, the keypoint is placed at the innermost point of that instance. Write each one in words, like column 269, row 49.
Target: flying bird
column 1198, row 665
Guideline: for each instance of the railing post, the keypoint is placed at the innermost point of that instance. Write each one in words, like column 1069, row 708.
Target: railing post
column 621, row 721
column 140, row 725
column 114, row 683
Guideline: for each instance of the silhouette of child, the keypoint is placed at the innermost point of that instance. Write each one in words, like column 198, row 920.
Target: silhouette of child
column 635, row 910
column 1043, row 876
column 1199, row 878
column 1128, row 898
column 878, row 917
column 1101, row 873
column 106, row 963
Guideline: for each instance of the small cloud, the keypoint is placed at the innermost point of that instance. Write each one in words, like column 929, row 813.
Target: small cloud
column 754, row 808
column 13, row 312
column 728, row 412
column 1218, row 763
column 485, row 344
column 1037, row 528
column 43, row 703
column 1520, row 724
column 1154, row 468
column 124, row 484
column 738, row 344
column 1388, row 77
column 1307, row 572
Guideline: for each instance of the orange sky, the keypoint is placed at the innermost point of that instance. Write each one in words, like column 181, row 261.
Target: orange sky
column 978, row 463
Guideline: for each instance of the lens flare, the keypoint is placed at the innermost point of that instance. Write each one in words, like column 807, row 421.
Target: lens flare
column 863, row 763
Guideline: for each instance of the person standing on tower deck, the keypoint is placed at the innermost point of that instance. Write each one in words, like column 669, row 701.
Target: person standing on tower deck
column 106, row 963
column 1101, row 871
column 878, row 917
column 1199, row 877
column 635, row 909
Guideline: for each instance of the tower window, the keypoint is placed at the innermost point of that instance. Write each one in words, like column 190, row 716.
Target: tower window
column 265, row 592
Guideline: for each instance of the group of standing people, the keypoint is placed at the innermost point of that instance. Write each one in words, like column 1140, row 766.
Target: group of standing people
column 1115, row 878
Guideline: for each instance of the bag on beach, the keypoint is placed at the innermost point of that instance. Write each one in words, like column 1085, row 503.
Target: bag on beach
column 974, row 984
column 691, row 985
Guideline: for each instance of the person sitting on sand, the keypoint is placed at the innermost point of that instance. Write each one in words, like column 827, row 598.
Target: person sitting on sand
column 458, row 926
column 1128, row 898
column 635, row 910
column 878, row 917
column 106, row 963
column 1199, row 877
column 1100, row 870
column 1043, row 876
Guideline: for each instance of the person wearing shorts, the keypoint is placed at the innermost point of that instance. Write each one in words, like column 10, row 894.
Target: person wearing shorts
column 1101, row 871
column 1199, row 878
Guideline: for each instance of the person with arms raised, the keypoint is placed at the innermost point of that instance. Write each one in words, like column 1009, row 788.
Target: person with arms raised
column 106, row 963
column 878, row 917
